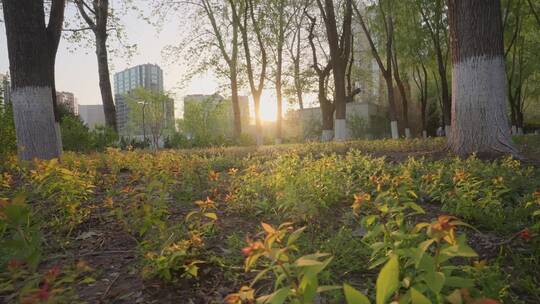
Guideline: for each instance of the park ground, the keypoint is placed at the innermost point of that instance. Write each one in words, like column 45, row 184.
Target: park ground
column 176, row 226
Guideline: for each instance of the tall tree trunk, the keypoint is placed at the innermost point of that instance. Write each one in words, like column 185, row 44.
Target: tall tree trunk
column 279, row 71
column 233, row 66
column 327, row 106
column 235, row 103
column 297, row 80
column 445, row 91
column 479, row 120
column 98, row 25
column 31, row 49
column 340, row 49
column 105, row 87
column 258, row 123
column 403, row 94
column 385, row 71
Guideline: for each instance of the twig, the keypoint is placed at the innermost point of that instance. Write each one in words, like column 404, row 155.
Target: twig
column 109, row 287
column 90, row 254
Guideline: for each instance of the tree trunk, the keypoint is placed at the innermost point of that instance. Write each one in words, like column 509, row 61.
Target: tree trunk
column 279, row 63
column 403, row 94
column 30, row 54
column 297, row 80
column 392, row 106
column 340, row 49
column 445, row 92
column 479, row 118
column 109, row 108
column 258, row 123
column 327, row 111
column 235, row 103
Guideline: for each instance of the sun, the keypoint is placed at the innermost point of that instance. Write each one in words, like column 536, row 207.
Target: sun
column 268, row 106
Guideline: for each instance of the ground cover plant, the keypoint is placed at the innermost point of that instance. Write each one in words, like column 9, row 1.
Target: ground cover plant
column 353, row 222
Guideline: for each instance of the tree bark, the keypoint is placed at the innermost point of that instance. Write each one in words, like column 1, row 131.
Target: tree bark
column 403, row 94
column 31, row 50
column 279, row 70
column 98, row 25
column 232, row 59
column 479, row 118
column 340, row 49
column 385, row 71
column 256, row 88
column 109, row 108
column 435, row 27
column 327, row 106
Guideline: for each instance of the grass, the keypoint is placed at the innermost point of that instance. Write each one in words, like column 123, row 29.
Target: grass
column 132, row 227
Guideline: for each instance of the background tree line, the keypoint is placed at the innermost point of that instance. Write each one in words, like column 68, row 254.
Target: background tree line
column 299, row 48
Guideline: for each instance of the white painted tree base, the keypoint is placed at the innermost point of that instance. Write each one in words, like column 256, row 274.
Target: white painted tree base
column 514, row 130
column 38, row 134
column 394, row 129
column 340, row 130
column 424, row 134
column 479, row 113
column 407, row 133
column 519, row 131
column 278, row 141
column 447, row 130
column 327, row 135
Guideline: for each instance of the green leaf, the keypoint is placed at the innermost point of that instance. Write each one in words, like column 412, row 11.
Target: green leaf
column 416, row 207
column 388, row 280
column 435, row 281
column 458, row 282
column 211, row 215
column 418, row 298
column 455, row 297
column 277, row 297
column 354, row 296
column 295, row 235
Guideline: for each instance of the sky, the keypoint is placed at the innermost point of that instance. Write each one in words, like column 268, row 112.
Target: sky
column 76, row 68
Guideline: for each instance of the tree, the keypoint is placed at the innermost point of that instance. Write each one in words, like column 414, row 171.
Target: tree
column 279, row 30
column 340, row 51
column 420, row 77
column 434, row 17
column 252, row 18
column 295, row 49
column 386, row 70
column 32, row 47
column 230, row 56
column 323, row 73
column 149, row 109
column 97, row 15
column 206, row 122
column 479, row 119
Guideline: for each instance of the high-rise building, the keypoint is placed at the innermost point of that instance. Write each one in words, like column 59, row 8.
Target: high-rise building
column 68, row 100
column 147, row 76
column 92, row 115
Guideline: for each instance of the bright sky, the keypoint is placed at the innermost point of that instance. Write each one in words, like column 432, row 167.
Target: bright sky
column 76, row 70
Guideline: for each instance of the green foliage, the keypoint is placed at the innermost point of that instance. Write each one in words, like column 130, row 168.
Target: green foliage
column 150, row 113
column 296, row 278
column 75, row 134
column 20, row 237
column 8, row 141
column 207, row 122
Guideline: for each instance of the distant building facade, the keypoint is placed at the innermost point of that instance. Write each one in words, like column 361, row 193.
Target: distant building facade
column 92, row 115
column 147, row 76
column 68, row 100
